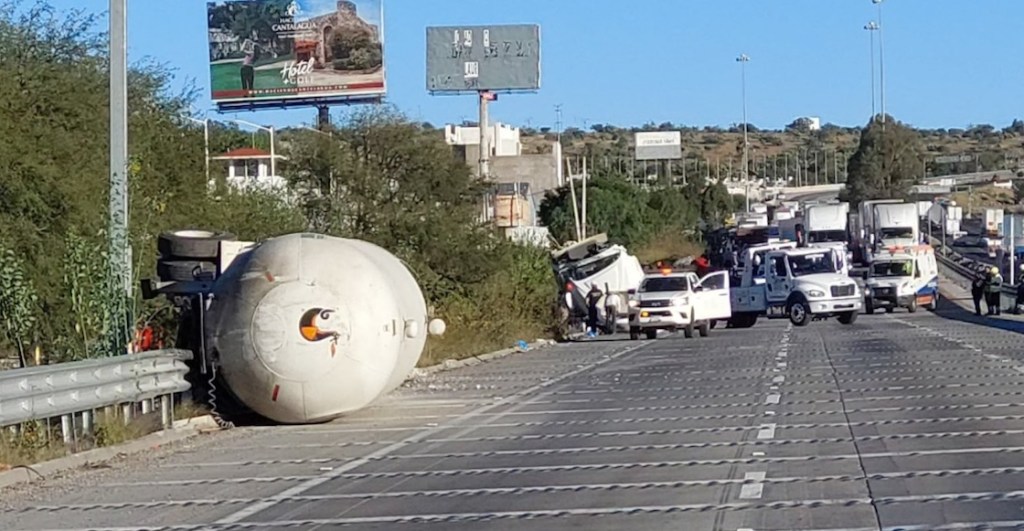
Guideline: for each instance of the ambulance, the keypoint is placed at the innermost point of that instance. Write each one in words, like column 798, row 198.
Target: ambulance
column 902, row 277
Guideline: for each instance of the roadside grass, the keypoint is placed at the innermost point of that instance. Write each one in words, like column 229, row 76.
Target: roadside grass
column 486, row 336
column 36, row 441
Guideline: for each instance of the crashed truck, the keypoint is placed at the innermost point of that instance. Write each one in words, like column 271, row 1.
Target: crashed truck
column 301, row 328
column 594, row 262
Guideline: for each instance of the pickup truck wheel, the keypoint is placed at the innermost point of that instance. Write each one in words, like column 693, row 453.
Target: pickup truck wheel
column 704, row 329
column 688, row 331
column 848, row 318
column 634, row 333
column 799, row 314
column 652, row 334
column 912, row 307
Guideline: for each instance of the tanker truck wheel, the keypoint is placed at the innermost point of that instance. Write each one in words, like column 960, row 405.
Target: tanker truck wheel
column 195, row 244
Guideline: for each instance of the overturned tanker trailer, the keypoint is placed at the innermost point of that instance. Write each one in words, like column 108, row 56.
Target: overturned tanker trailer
column 301, row 328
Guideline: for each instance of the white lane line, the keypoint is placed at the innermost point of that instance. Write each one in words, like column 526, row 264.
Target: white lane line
column 767, row 431
column 781, row 365
column 752, row 491
column 1019, row 369
column 773, row 399
column 256, row 508
column 779, row 379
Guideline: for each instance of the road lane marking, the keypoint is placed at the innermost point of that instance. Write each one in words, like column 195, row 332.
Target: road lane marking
column 767, row 431
column 773, row 399
column 257, row 508
column 779, row 379
column 752, row 491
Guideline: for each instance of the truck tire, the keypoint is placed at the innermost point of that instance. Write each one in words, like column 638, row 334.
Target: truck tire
column 652, row 334
column 688, row 331
column 194, row 244
column 869, row 306
column 704, row 329
column 634, row 333
column 848, row 318
column 799, row 313
column 912, row 307
column 185, row 270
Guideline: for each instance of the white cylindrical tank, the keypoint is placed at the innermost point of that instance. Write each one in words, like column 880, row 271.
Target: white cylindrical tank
column 307, row 327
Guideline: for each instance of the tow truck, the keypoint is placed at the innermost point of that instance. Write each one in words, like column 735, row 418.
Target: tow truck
column 804, row 285
column 669, row 300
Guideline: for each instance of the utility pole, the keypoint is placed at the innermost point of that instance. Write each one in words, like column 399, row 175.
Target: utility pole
column 881, row 59
column 485, row 136
column 872, row 27
column 120, row 247
column 743, row 59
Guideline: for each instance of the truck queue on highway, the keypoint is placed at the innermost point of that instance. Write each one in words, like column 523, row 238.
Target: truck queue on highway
column 801, row 261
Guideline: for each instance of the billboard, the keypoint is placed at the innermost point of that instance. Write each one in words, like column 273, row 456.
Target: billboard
column 475, row 58
column 295, row 52
column 660, row 145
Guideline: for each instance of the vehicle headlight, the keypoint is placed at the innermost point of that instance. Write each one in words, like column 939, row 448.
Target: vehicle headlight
column 634, row 303
column 680, row 301
column 815, row 293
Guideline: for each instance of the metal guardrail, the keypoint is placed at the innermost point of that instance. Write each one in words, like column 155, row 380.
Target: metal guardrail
column 81, row 387
column 963, row 270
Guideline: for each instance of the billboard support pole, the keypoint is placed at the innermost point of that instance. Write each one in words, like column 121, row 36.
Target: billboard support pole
column 120, row 259
column 485, row 137
column 323, row 117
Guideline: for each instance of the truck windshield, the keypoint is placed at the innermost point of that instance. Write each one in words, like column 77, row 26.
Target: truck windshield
column 665, row 284
column 895, row 268
column 811, row 264
column 822, row 236
column 895, row 233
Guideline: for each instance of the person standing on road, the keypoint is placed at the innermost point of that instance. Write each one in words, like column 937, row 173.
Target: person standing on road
column 593, row 300
column 992, row 289
column 977, row 290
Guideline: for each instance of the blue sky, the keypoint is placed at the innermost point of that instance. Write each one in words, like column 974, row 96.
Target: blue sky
column 947, row 63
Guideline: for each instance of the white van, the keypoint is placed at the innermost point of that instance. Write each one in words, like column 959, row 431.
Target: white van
column 905, row 277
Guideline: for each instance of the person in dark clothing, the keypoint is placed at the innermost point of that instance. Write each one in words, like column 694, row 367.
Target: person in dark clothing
column 593, row 301
column 992, row 290
column 977, row 291
column 1018, row 304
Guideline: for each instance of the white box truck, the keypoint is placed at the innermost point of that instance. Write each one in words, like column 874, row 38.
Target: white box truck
column 864, row 237
column 896, row 225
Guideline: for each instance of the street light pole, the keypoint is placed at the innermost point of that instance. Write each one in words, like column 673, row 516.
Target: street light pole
column 872, row 27
column 881, row 58
column 743, row 59
column 206, row 143
column 120, row 248
column 273, row 157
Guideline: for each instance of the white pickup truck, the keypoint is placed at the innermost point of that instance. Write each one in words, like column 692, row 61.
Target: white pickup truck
column 800, row 284
column 679, row 301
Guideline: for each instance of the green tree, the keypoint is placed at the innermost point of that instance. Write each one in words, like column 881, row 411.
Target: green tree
column 886, row 164
column 18, row 302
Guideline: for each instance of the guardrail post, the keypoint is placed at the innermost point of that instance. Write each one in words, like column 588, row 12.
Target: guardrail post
column 126, row 411
column 147, row 406
column 66, row 428
column 87, row 422
column 165, row 411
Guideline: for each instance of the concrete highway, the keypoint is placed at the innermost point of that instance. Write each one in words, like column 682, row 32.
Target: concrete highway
column 900, row 421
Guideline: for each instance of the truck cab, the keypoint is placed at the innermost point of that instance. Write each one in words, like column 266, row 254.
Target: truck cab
column 800, row 284
column 902, row 278
column 672, row 301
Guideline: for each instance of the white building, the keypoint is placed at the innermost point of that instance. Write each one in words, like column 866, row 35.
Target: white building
column 504, row 139
column 249, row 168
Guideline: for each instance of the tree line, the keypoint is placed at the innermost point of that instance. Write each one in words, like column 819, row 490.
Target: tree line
column 380, row 177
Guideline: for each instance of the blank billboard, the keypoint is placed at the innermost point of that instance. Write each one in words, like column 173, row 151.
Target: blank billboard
column 475, row 58
column 660, row 145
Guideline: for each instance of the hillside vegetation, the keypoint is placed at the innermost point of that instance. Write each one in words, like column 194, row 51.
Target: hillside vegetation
column 991, row 148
